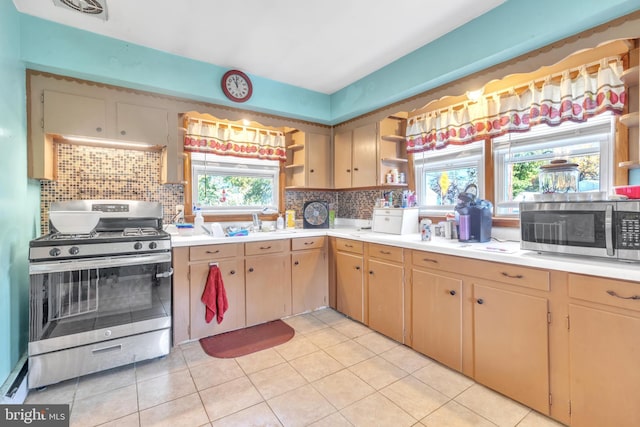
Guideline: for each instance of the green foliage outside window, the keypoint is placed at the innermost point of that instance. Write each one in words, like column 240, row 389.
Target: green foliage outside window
column 235, row 191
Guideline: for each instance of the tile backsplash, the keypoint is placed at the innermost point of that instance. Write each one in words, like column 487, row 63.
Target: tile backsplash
column 86, row 172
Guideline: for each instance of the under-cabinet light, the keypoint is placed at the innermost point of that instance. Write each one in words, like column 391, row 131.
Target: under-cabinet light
column 110, row 142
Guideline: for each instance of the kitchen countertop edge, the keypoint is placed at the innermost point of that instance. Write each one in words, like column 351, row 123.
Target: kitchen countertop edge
column 504, row 252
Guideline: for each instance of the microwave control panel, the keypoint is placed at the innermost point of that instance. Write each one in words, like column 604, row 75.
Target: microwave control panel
column 628, row 230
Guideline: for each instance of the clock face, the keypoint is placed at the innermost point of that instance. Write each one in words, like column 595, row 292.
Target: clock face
column 316, row 215
column 236, row 85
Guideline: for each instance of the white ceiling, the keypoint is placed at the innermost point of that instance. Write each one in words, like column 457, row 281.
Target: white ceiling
column 321, row 45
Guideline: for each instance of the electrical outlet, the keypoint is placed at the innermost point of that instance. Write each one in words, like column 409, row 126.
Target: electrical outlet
column 179, row 212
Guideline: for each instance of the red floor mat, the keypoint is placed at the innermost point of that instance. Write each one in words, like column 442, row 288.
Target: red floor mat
column 247, row 340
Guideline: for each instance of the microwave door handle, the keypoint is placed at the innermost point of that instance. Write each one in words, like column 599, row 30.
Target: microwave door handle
column 608, row 229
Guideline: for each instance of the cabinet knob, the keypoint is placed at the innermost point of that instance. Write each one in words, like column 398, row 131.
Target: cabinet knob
column 250, row 269
column 371, row 272
column 348, row 170
column 355, row 169
column 311, row 171
column 123, row 132
column 480, row 301
column 357, row 267
column 98, row 129
column 452, row 292
column 296, row 262
column 232, row 272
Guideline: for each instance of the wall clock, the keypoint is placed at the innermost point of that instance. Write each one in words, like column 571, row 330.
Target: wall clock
column 236, row 86
column 315, row 215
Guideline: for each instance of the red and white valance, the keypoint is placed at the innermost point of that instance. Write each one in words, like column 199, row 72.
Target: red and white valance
column 553, row 102
column 234, row 140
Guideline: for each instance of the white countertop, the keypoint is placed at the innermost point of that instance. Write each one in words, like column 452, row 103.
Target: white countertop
column 506, row 252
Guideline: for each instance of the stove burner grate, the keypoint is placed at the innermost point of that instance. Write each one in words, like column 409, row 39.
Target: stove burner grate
column 140, row 231
column 69, row 236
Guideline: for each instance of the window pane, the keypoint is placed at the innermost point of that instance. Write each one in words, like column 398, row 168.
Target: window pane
column 443, row 187
column 235, row 191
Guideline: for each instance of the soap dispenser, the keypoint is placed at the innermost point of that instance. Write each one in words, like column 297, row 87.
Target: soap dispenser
column 198, row 222
column 280, row 222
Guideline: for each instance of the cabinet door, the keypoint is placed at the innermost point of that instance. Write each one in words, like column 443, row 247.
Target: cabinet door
column 268, row 287
column 308, row 280
column 511, row 345
column 342, row 160
column 364, row 156
column 318, row 166
column 349, row 292
column 605, row 379
column 68, row 114
column 437, row 317
column 233, row 278
column 141, row 123
column 385, row 284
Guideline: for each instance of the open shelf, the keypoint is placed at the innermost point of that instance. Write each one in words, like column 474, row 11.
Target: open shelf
column 630, row 120
column 630, row 76
column 632, row 164
column 393, row 138
column 394, row 160
column 295, row 147
column 293, row 166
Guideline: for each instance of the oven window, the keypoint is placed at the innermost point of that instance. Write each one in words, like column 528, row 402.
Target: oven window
column 70, row 302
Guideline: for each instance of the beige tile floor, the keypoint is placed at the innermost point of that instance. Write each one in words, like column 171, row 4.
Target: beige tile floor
column 334, row 372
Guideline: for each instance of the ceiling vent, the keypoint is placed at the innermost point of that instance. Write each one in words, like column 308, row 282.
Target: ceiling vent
column 96, row 8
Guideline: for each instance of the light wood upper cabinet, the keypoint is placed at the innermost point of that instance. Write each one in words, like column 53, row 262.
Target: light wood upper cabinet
column 308, row 160
column 437, row 316
column 355, row 157
column 141, row 123
column 69, row 114
column 511, row 350
column 604, row 350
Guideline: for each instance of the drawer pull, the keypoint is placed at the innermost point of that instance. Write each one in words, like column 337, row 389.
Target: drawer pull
column 614, row 294
column 435, row 261
column 480, row 301
column 452, row 292
column 117, row 347
column 385, row 252
column 309, row 243
column 213, row 252
column 347, row 245
column 512, row 276
column 264, row 248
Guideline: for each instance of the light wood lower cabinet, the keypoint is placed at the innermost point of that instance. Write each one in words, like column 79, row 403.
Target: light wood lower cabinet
column 350, row 278
column 309, row 274
column 385, row 290
column 233, row 278
column 437, row 316
column 267, row 282
column 511, row 353
column 604, row 350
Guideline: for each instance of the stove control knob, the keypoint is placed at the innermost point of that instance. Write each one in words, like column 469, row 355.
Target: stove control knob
column 137, row 246
column 55, row 252
column 74, row 250
column 153, row 245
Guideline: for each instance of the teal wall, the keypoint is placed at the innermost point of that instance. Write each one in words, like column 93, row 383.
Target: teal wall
column 19, row 198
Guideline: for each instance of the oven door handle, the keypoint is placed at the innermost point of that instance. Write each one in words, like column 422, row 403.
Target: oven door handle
column 99, row 262
column 166, row 274
column 608, row 229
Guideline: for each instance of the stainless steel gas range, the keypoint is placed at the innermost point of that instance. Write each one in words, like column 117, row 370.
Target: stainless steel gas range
column 102, row 299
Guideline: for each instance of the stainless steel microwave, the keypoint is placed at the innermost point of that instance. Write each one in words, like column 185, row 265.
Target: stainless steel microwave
column 606, row 229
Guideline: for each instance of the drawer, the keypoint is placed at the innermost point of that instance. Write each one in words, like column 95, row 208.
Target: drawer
column 497, row 272
column 213, row 252
column 302, row 243
column 266, row 247
column 347, row 245
column 388, row 212
column 389, row 253
column 600, row 290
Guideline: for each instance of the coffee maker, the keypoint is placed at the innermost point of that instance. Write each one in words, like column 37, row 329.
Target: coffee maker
column 474, row 216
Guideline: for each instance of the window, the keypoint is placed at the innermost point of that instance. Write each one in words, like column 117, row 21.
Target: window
column 227, row 184
column 443, row 174
column 519, row 156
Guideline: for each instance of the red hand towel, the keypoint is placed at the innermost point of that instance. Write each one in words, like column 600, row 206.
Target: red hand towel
column 214, row 296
